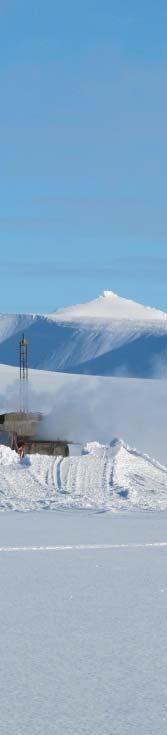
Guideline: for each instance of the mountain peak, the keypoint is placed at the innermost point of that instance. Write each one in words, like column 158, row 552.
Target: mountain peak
column 109, row 306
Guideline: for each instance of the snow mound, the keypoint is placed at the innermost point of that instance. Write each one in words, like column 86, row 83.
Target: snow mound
column 103, row 478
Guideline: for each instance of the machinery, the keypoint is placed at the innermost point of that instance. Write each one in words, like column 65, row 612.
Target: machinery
column 22, row 428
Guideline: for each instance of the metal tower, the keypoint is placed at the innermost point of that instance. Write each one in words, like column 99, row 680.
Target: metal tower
column 23, row 347
column 23, row 358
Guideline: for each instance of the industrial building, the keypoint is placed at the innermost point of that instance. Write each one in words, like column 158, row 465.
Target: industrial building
column 22, row 429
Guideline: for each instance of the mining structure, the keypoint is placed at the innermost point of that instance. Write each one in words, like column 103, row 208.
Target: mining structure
column 22, row 429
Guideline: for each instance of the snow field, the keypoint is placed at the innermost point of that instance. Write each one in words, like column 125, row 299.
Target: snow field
column 83, row 625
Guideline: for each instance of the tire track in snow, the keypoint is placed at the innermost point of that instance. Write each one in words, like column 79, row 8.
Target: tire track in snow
column 85, row 547
column 103, row 478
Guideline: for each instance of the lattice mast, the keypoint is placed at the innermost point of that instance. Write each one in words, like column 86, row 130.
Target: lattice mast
column 23, row 350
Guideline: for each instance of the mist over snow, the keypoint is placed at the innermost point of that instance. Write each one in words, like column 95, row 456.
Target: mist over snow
column 82, row 408
column 108, row 336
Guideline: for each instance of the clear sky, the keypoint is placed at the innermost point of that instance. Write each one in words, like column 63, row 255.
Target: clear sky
column 83, row 151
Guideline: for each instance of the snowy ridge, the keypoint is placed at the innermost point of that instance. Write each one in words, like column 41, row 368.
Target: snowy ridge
column 107, row 336
column 103, row 478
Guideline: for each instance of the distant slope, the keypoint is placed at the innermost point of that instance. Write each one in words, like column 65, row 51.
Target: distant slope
column 107, row 336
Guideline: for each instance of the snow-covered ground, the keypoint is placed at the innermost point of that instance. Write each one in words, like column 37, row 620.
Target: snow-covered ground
column 113, row 478
column 83, row 624
column 84, row 588
column 107, row 336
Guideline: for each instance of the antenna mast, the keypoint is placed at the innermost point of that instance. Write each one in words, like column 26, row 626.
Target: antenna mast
column 23, row 347
column 23, row 358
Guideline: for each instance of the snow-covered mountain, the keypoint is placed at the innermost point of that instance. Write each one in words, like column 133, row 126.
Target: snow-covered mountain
column 108, row 336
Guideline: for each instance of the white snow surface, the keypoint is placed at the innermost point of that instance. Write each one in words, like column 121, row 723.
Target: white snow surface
column 107, row 336
column 83, row 623
column 103, row 478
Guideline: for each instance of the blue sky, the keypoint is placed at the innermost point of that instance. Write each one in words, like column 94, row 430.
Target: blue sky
column 83, row 151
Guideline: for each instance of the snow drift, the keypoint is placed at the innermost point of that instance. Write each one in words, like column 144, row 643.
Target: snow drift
column 103, row 478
